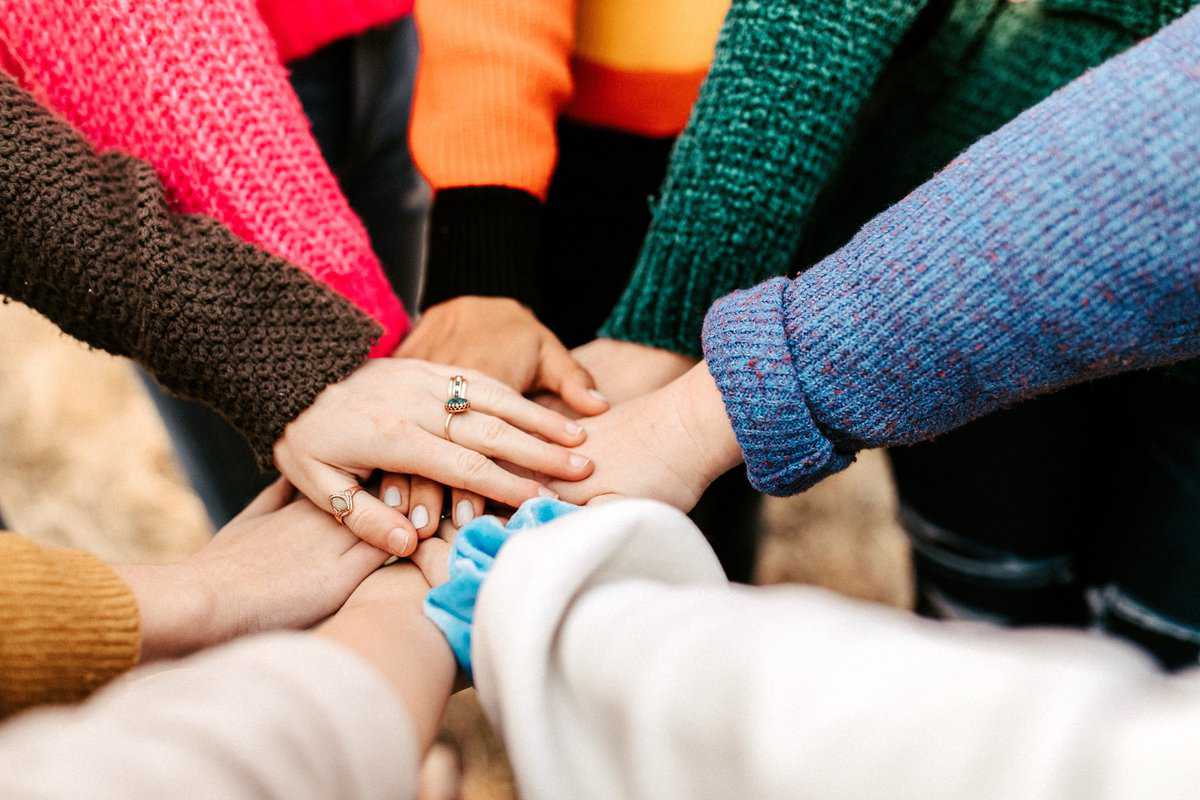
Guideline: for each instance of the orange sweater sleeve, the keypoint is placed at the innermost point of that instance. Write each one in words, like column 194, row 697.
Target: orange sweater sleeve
column 68, row 624
column 492, row 78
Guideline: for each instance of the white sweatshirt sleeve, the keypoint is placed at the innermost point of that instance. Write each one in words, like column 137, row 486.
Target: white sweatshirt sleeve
column 290, row 716
column 617, row 662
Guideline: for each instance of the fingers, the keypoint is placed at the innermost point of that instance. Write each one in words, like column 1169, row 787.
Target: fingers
column 464, row 506
column 370, row 520
column 425, row 506
column 560, row 373
column 394, row 491
column 494, row 437
column 433, row 559
column 272, row 498
column 493, row 397
column 463, row 468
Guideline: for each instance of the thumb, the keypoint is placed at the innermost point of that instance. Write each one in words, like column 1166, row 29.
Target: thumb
column 561, row 374
column 272, row 498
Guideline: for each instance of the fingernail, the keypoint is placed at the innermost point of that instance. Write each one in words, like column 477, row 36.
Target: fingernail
column 573, row 429
column 399, row 541
column 544, row 492
column 419, row 517
column 596, row 394
column 392, row 496
column 578, row 461
column 464, row 512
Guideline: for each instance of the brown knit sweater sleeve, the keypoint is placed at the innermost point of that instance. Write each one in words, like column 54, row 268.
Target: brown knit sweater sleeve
column 88, row 240
column 68, row 625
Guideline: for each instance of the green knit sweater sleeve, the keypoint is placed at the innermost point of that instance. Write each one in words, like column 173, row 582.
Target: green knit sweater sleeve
column 787, row 82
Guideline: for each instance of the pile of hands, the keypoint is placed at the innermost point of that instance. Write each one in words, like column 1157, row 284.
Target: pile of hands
column 610, row 418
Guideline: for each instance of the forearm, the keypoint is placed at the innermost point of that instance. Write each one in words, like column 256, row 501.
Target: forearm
column 90, row 243
column 195, row 88
column 1059, row 249
column 68, row 625
column 280, row 716
column 407, row 651
column 787, row 81
column 492, row 80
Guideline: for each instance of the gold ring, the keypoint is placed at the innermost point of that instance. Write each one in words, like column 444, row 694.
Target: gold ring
column 342, row 503
column 456, row 397
column 446, row 425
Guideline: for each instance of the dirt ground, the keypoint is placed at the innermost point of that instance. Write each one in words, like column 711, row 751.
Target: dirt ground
column 85, row 463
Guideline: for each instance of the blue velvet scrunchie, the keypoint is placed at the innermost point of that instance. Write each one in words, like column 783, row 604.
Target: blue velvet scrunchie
column 451, row 606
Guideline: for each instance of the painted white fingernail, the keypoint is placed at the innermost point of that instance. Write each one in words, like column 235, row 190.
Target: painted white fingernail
column 596, row 394
column 544, row 492
column 399, row 541
column 392, row 497
column 419, row 517
column 578, row 461
column 464, row 512
column 573, row 429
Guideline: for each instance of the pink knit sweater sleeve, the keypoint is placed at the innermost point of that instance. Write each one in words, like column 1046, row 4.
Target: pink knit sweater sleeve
column 196, row 88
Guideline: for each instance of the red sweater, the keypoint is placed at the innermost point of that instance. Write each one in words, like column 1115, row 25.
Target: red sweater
column 197, row 89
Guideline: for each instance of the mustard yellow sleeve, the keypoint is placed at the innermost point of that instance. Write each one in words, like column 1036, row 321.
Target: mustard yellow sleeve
column 68, row 624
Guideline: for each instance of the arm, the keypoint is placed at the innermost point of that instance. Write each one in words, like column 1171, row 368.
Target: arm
column 618, row 663
column 196, row 89
column 493, row 76
column 343, row 713
column 69, row 623
column 787, row 82
column 90, row 242
column 1060, row 249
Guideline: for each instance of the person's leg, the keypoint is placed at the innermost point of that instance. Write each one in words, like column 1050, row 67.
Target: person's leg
column 993, row 514
column 356, row 95
column 1147, row 545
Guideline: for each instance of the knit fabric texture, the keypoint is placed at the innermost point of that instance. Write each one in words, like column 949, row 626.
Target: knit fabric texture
column 90, row 242
column 782, row 106
column 196, row 88
column 68, row 625
column 1062, row 248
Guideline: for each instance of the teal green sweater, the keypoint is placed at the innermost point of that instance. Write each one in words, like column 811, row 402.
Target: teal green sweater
column 817, row 115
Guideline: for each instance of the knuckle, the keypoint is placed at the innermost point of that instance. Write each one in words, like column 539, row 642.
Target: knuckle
column 493, row 431
column 472, row 465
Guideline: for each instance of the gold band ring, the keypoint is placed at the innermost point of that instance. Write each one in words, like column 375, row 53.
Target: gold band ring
column 446, row 425
column 456, row 396
column 342, row 503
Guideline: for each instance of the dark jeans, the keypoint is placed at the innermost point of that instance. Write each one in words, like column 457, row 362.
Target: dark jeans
column 1080, row 509
column 357, row 94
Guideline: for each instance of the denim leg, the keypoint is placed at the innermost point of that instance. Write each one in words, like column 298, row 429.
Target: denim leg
column 356, row 93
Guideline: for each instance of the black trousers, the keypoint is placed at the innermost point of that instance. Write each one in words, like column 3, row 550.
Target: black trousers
column 1081, row 509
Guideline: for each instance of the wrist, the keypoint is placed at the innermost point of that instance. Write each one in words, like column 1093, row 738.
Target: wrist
column 176, row 610
column 701, row 412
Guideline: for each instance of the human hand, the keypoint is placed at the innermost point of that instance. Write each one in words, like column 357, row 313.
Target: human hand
column 465, row 331
column 502, row 339
column 625, row 370
column 389, row 415
column 668, row 445
column 278, row 564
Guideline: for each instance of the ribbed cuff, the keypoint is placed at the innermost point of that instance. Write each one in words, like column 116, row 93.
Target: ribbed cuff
column 483, row 240
column 68, row 625
column 746, row 348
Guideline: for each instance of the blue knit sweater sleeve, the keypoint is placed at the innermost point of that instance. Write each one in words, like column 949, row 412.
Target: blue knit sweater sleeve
column 1062, row 248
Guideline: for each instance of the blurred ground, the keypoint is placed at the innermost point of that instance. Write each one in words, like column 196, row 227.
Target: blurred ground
column 86, row 463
